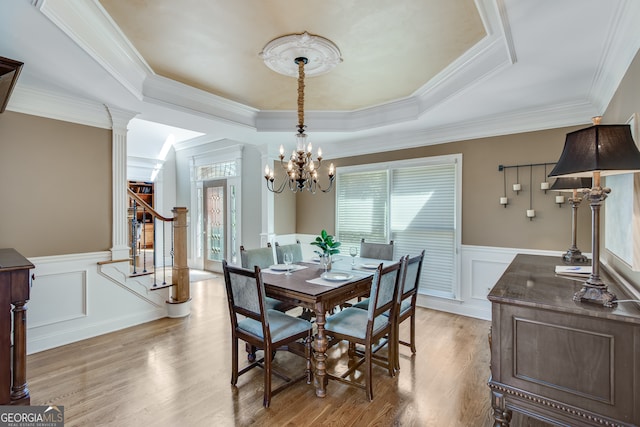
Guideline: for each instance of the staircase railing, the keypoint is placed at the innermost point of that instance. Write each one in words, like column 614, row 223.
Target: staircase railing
column 165, row 257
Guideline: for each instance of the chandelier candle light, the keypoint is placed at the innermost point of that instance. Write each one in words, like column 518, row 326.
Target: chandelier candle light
column 321, row 55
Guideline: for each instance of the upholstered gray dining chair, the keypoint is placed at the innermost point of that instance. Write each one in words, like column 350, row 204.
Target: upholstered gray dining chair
column 371, row 328
column 407, row 304
column 295, row 249
column 260, row 327
column 263, row 258
column 376, row 250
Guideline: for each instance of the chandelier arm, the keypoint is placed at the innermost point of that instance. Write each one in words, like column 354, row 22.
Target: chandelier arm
column 271, row 186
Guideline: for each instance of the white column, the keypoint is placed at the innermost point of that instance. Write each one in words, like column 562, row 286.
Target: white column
column 268, row 200
column 119, row 125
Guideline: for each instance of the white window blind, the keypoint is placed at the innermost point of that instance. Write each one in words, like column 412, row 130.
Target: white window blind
column 413, row 203
column 362, row 208
column 423, row 217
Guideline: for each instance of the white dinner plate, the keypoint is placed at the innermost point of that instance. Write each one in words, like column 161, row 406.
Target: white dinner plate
column 280, row 267
column 336, row 277
column 370, row 266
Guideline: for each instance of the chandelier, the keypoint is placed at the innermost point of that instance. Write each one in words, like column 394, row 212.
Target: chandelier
column 322, row 55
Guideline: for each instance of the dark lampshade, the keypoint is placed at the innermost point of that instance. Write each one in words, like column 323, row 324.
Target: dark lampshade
column 608, row 149
column 570, row 183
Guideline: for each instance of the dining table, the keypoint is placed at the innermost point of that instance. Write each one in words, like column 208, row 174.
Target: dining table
column 305, row 287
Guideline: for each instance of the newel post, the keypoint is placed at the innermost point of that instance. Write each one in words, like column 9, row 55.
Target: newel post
column 180, row 299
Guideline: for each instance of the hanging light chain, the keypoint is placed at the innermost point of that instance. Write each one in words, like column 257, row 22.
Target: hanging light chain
column 301, row 63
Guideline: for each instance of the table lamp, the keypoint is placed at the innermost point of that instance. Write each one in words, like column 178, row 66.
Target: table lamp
column 573, row 254
column 596, row 151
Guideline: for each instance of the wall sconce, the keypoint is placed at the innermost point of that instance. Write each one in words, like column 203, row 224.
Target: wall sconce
column 517, row 187
column 544, row 185
column 559, row 199
column 530, row 212
column 504, row 201
column 597, row 151
column 576, row 186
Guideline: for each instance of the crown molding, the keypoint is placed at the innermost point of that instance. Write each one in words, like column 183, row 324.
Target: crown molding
column 44, row 103
column 622, row 46
column 91, row 28
column 170, row 93
column 571, row 114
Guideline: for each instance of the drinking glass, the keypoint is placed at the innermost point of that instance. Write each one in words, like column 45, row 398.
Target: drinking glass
column 288, row 259
column 353, row 252
column 325, row 259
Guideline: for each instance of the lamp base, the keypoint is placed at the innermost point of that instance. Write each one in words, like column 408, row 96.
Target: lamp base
column 574, row 256
column 598, row 294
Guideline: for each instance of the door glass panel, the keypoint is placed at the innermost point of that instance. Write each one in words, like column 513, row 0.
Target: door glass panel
column 215, row 222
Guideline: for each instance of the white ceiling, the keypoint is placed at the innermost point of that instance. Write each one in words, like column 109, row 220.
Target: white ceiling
column 415, row 72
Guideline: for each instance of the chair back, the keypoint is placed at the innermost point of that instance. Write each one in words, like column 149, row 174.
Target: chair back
column 376, row 250
column 412, row 278
column 245, row 294
column 294, row 248
column 384, row 289
column 262, row 257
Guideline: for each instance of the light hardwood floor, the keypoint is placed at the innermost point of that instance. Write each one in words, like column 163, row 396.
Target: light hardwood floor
column 176, row 372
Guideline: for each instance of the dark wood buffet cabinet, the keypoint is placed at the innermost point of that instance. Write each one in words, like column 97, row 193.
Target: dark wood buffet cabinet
column 563, row 362
column 14, row 291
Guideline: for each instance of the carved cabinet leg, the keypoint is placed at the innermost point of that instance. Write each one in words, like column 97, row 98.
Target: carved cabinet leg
column 501, row 415
column 19, row 390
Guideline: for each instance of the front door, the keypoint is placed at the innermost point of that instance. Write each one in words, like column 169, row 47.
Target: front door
column 215, row 224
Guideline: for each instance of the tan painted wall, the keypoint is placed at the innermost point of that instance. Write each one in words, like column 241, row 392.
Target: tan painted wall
column 484, row 221
column 55, row 186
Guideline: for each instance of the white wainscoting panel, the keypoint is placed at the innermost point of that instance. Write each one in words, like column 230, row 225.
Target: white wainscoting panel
column 58, row 298
column 70, row 301
column 481, row 268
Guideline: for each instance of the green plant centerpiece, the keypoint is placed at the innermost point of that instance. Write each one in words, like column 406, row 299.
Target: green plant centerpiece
column 326, row 245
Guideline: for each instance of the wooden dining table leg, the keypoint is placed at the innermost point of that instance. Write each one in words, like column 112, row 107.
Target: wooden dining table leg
column 320, row 345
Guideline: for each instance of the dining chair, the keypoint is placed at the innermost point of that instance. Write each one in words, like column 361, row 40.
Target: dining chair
column 371, row 329
column 263, row 258
column 266, row 329
column 376, row 250
column 407, row 303
column 294, row 248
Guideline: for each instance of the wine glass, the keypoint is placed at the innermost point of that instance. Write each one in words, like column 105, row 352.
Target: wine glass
column 353, row 251
column 288, row 260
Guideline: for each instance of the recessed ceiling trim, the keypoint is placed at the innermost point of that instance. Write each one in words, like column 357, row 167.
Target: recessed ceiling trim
column 39, row 102
column 91, row 28
column 621, row 48
column 163, row 91
column 570, row 114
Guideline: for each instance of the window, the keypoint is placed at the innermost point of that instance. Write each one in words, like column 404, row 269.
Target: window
column 415, row 203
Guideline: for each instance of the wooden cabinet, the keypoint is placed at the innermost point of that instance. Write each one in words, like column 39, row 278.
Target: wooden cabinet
column 144, row 229
column 563, row 362
column 14, row 294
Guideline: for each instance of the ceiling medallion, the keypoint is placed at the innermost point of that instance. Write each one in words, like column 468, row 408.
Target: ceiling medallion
column 321, row 53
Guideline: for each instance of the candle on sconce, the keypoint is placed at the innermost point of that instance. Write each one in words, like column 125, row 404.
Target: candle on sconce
column 531, row 213
column 544, row 186
column 559, row 200
column 517, row 187
column 504, row 201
